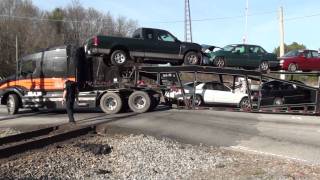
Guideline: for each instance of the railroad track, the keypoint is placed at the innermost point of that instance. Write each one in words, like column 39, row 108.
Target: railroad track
column 23, row 142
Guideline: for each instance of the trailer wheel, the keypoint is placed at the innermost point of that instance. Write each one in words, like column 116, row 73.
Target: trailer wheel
column 119, row 57
column 12, row 104
column 139, row 102
column 111, row 103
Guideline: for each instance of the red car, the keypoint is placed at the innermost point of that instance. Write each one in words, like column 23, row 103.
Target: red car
column 304, row 60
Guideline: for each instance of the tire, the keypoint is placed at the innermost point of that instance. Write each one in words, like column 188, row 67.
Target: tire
column 278, row 101
column 154, row 103
column 111, row 103
column 264, row 66
column 118, row 58
column 198, row 101
column 13, row 104
column 244, row 104
column 191, row 58
column 139, row 102
column 292, row 67
column 220, row 62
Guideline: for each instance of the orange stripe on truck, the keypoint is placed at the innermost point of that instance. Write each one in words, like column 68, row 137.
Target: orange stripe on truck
column 37, row 83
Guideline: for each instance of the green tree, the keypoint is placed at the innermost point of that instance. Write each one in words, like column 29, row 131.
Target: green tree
column 287, row 48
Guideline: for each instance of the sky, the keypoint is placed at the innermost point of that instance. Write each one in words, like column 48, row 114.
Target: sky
column 216, row 22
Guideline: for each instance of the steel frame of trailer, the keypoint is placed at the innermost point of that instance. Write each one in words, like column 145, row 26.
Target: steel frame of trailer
column 247, row 74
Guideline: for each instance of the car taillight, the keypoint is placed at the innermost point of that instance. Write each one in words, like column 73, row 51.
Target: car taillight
column 96, row 41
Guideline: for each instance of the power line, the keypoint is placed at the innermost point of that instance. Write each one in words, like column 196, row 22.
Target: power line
column 218, row 18
column 168, row 22
column 302, row 17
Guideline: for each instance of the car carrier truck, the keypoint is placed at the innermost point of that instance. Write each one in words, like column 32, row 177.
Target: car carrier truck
column 40, row 80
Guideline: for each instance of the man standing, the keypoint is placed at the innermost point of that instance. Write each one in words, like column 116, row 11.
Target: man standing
column 70, row 94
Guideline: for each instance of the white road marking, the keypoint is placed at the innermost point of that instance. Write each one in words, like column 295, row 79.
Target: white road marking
column 296, row 117
column 242, row 148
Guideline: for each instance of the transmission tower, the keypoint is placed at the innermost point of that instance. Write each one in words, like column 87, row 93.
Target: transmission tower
column 187, row 22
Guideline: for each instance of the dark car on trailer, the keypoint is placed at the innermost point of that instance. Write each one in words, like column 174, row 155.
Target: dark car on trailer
column 281, row 93
column 146, row 44
column 244, row 56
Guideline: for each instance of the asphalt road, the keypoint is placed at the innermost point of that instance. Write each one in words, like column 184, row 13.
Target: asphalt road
column 287, row 136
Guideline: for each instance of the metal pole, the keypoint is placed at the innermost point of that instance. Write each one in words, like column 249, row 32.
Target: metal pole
column 194, row 90
column 17, row 58
column 245, row 40
column 249, row 92
column 281, row 24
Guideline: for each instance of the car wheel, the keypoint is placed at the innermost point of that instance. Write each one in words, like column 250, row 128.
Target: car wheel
column 197, row 102
column 264, row 66
column 111, row 103
column 220, row 62
column 278, row 101
column 139, row 102
column 12, row 104
column 245, row 104
column 292, row 67
column 191, row 58
column 118, row 58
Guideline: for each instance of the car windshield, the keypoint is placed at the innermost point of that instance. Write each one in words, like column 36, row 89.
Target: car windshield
column 228, row 48
column 293, row 53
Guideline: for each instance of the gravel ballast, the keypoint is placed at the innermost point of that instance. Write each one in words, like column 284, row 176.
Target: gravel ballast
column 145, row 157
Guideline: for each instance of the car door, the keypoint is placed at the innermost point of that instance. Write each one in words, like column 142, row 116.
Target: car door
column 307, row 61
column 149, row 43
column 315, row 60
column 237, row 57
column 254, row 56
column 167, row 46
column 217, row 93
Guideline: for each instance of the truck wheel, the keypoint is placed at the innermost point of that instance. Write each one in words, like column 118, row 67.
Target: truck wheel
column 118, row 58
column 12, row 104
column 191, row 58
column 111, row 103
column 139, row 102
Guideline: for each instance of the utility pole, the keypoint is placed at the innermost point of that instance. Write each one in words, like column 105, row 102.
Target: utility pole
column 282, row 76
column 187, row 22
column 245, row 36
column 17, row 57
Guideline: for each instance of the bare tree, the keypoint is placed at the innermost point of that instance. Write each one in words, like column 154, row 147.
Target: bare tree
column 37, row 29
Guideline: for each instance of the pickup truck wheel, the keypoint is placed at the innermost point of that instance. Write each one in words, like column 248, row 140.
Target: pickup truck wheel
column 111, row 103
column 12, row 104
column 118, row 58
column 139, row 102
column 292, row 67
column 191, row 58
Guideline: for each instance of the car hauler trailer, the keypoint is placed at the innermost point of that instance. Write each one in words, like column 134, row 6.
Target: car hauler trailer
column 40, row 79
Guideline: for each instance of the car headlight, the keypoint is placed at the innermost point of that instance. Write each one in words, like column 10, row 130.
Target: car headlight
column 281, row 62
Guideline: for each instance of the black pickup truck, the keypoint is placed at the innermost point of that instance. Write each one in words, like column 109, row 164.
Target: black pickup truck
column 145, row 44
